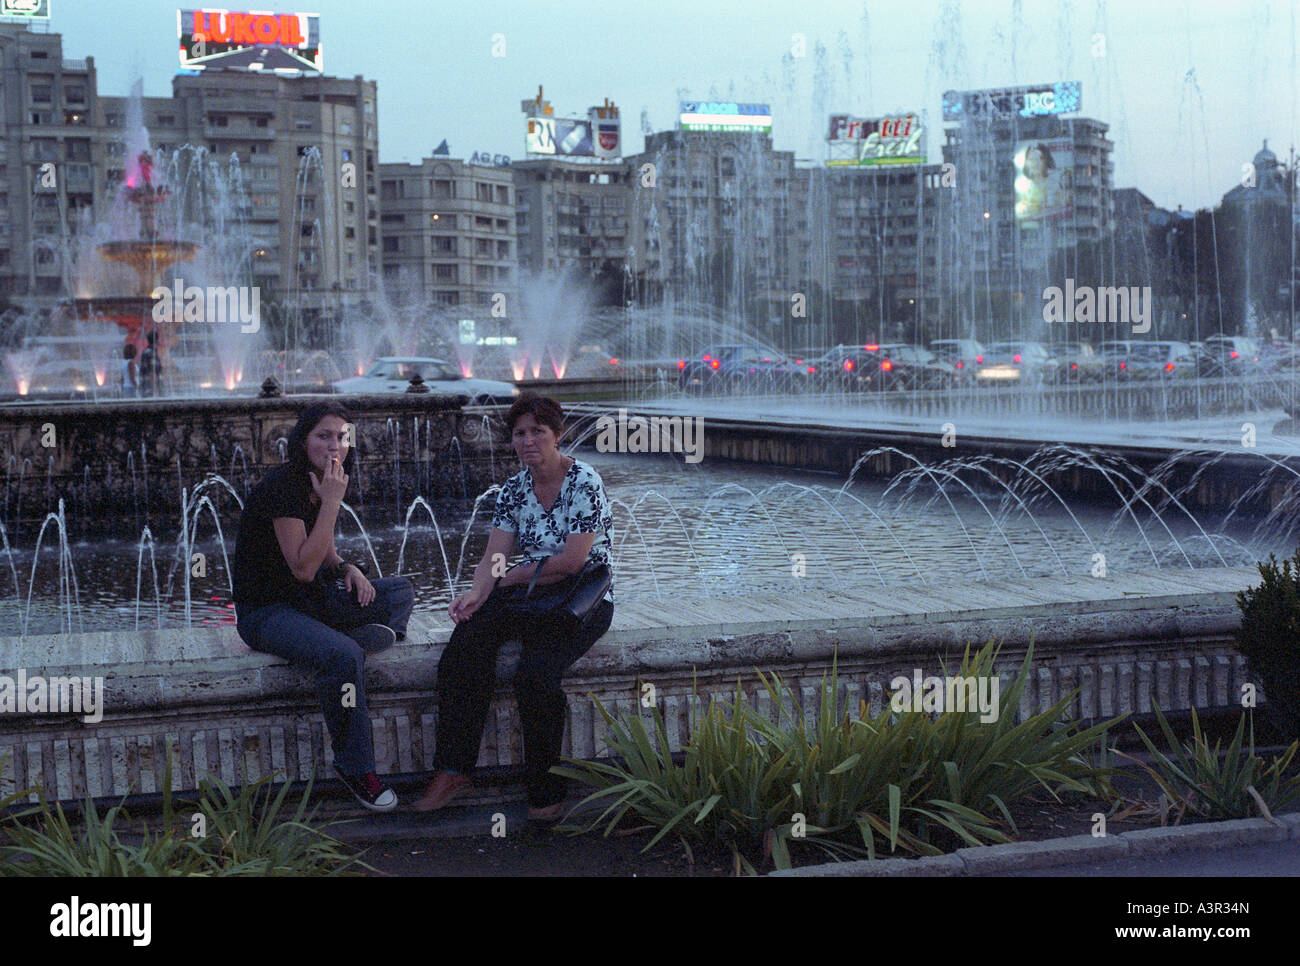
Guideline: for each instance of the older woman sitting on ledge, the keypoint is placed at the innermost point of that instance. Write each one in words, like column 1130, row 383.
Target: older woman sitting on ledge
column 557, row 514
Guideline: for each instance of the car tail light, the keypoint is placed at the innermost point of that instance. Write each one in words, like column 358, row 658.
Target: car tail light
column 811, row 370
column 613, row 362
column 1232, row 354
column 1016, row 358
column 681, row 363
column 1123, row 365
column 886, row 366
column 1074, row 366
column 960, row 364
column 1169, row 367
column 872, row 347
column 714, row 363
column 979, row 359
column 706, row 357
column 848, row 365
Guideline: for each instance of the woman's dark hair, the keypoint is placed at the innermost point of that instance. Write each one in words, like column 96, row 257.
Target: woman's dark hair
column 128, row 351
column 544, row 409
column 307, row 421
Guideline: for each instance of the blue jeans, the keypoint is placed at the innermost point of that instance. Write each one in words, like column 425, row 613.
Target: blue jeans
column 336, row 660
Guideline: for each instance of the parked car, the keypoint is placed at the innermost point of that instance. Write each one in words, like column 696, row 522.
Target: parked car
column 1226, row 355
column 743, row 367
column 394, row 373
column 1079, row 361
column 964, row 355
column 1161, row 360
column 1018, row 363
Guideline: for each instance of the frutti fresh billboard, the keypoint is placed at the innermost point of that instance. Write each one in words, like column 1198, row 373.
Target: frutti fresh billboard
column 875, row 141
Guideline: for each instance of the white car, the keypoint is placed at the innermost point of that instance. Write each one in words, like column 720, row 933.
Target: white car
column 393, row 374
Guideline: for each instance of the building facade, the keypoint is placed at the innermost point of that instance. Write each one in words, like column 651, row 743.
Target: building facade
column 1032, row 195
column 447, row 235
column 52, row 161
column 719, row 221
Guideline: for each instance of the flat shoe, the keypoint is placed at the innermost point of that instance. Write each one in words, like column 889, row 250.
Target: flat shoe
column 547, row 814
column 444, row 787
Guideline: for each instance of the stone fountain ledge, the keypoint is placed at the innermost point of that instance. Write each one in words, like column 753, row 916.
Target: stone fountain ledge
column 1125, row 641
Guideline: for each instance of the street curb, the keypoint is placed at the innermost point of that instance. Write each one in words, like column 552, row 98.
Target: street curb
column 1062, row 852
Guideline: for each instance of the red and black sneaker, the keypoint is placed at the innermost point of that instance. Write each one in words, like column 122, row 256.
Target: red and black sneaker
column 369, row 791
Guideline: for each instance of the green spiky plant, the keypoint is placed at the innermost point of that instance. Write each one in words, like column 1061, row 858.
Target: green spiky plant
column 847, row 786
column 1214, row 783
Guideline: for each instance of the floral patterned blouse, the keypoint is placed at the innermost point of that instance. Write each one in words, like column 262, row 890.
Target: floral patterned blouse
column 581, row 507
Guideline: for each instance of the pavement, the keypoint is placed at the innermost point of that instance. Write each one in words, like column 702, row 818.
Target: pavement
column 1236, row 848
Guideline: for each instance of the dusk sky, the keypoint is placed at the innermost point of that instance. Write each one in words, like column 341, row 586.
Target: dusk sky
column 1190, row 88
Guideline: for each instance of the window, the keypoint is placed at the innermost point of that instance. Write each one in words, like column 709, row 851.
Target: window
column 349, row 232
column 442, row 221
column 441, row 188
column 447, row 298
column 349, row 207
column 392, row 219
column 503, row 249
column 259, row 122
column 391, row 190
column 484, row 192
column 483, row 246
column 392, row 246
column 347, row 154
column 502, row 194
column 444, row 273
column 219, row 120
column 483, row 273
column 503, row 224
column 302, row 124
column 728, row 167
column 42, row 93
column 74, row 93
column 443, row 243
column 484, row 223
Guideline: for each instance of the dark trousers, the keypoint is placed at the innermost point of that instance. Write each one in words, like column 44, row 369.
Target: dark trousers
column 467, row 676
column 336, row 660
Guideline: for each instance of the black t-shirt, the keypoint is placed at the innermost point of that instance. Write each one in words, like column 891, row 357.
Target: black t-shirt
column 262, row 576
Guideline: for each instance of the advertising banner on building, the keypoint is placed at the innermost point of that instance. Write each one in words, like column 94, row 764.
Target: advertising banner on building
column 871, row 142
column 558, row 136
column 250, row 40
column 27, row 9
column 725, row 116
column 1034, row 100
column 606, row 136
column 1044, row 183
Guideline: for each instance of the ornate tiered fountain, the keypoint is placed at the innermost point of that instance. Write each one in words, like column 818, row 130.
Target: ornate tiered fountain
column 148, row 254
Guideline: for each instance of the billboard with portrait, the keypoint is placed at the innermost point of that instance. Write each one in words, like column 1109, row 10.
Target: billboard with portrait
column 1044, row 184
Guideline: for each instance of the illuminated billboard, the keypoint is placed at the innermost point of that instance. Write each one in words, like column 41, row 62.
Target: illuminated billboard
column 1044, row 183
column 872, row 142
column 1034, row 100
column 725, row 116
column 27, row 9
column 249, row 40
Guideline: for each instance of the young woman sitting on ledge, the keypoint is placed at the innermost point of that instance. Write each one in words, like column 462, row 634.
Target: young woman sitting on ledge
column 296, row 598
column 557, row 514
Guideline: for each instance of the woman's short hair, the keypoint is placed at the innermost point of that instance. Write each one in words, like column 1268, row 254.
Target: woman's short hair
column 308, row 420
column 128, row 351
column 544, row 409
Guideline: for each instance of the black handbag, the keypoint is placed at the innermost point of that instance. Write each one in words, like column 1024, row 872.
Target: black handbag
column 569, row 602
